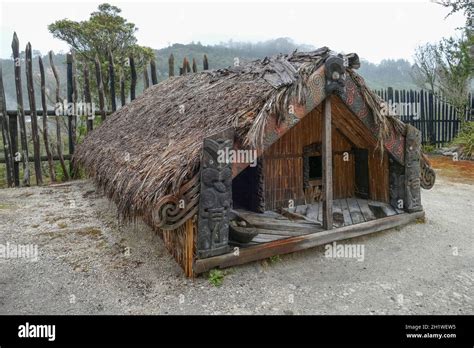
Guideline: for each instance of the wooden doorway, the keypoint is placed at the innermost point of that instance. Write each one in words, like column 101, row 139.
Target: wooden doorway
column 361, row 173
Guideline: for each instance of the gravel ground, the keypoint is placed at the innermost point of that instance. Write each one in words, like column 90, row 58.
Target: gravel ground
column 90, row 264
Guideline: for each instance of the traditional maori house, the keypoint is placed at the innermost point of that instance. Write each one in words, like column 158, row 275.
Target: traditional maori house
column 271, row 157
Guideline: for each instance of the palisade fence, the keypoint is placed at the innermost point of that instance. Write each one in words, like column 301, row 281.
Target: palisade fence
column 42, row 140
column 432, row 114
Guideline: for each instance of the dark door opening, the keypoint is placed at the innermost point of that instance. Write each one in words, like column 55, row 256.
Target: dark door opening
column 315, row 167
column 361, row 157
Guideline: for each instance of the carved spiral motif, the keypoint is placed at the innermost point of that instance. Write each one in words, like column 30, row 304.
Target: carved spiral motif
column 427, row 174
column 174, row 210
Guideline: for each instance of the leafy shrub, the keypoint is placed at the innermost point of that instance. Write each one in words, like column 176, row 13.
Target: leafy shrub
column 465, row 141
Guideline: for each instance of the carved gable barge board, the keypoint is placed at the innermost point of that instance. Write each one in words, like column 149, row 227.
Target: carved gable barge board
column 215, row 200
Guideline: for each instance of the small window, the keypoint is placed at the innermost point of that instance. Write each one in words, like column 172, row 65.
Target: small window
column 315, row 167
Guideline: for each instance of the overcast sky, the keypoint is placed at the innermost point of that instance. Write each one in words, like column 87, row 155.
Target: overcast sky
column 373, row 29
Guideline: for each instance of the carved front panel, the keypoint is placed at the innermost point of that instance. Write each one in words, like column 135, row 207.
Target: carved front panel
column 412, row 169
column 397, row 184
column 216, row 197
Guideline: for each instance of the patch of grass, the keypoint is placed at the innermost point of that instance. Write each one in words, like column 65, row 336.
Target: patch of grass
column 92, row 232
column 274, row 259
column 465, row 140
column 216, row 277
column 428, row 148
column 6, row 205
column 421, row 220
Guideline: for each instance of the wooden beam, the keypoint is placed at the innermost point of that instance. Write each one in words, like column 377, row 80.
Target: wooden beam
column 327, row 165
column 289, row 245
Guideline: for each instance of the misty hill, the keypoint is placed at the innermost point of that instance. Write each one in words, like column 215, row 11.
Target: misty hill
column 394, row 73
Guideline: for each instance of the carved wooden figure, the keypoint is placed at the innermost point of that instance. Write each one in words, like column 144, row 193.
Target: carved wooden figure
column 216, row 196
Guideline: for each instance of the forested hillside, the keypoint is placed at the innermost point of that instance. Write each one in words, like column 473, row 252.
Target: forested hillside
column 394, row 73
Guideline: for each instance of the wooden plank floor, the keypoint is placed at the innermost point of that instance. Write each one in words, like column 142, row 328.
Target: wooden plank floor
column 307, row 219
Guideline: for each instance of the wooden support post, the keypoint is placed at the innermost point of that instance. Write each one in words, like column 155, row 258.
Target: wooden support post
column 194, row 66
column 5, row 130
column 112, row 82
column 59, row 141
column 21, row 110
column 87, row 98
column 154, row 78
column 100, row 88
column 327, row 165
column 133, row 83
column 52, row 173
column 34, row 116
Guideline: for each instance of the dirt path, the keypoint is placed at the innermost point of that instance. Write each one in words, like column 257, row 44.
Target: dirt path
column 90, row 264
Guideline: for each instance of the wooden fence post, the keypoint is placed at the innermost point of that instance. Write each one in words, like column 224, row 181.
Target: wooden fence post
column 112, row 82
column 52, row 173
column 205, row 63
column 171, row 65
column 123, row 99
column 59, row 140
column 100, row 88
column 154, row 78
column 70, row 100
column 88, row 99
column 431, row 118
column 13, row 129
column 184, row 68
column 33, row 115
column 133, row 83
column 194, row 66
column 21, row 111
column 5, row 130
column 146, row 80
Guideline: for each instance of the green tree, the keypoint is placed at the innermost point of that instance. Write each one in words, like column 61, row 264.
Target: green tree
column 104, row 31
column 455, row 68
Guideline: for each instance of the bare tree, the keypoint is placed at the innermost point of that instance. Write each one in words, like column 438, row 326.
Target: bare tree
column 425, row 69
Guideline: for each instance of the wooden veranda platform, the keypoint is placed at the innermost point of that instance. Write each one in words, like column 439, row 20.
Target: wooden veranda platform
column 301, row 228
column 306, row 219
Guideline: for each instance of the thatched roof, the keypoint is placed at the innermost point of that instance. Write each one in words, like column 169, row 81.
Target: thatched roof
column 152, row 146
